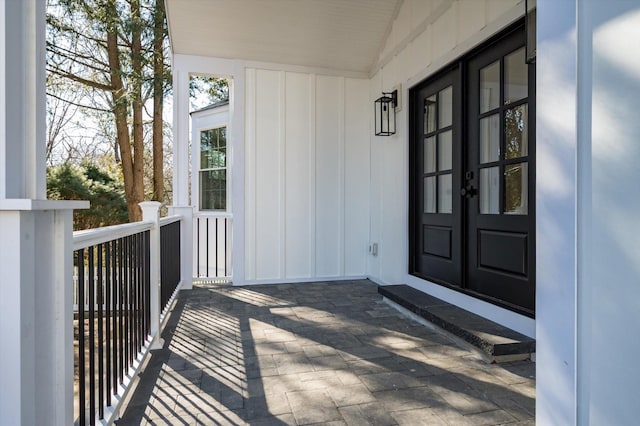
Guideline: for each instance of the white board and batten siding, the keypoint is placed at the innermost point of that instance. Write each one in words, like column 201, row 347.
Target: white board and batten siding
column 307, row 170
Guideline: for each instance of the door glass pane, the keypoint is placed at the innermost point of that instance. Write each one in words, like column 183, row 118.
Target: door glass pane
column 515, row 129
column 445, row 113
column 430, row 154
column 430, row 114
column 490, row 138
column 516, row 193
column 444, row 150
column 515, row 76
column 430, row 194
column 490, row 87
column 490, row 190
column 444, row 193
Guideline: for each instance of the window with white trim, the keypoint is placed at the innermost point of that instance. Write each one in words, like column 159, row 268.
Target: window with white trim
column 213, row 169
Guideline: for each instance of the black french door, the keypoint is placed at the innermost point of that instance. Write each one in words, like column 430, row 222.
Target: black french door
column 436, row 155
column 473, row 177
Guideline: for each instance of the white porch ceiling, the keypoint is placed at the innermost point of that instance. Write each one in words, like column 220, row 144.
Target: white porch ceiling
column 336, row 34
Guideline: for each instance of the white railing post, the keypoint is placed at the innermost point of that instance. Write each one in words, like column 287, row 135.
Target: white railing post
column 151, row 213
column 186, row 244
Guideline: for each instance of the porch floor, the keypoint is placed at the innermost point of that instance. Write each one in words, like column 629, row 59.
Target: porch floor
column 327, row 353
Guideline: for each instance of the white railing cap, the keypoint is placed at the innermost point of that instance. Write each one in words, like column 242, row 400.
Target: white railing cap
column 170, row 219
column 91, row 237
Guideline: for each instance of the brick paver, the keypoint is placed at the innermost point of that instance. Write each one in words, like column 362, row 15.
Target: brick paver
column 318, row 353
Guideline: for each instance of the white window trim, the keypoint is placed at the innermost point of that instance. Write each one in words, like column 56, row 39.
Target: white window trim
column 195, row 169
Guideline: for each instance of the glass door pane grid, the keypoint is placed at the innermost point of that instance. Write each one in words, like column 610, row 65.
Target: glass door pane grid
column 438, row 172
column 502, row 162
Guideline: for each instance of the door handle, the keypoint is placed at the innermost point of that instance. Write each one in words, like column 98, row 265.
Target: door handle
column 468, row 191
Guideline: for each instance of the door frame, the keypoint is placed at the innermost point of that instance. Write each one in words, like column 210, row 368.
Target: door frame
column 459, row 65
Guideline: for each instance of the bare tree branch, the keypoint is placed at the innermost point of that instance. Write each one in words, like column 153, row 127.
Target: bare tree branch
column 78, row 79
column 79, row 105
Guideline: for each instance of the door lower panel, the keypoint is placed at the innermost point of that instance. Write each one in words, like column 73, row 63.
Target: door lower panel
column 511, row 257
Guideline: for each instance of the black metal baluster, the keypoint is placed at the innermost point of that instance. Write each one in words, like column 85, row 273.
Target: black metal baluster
column 92, row 338
column 226, row 258
column 178, row 255
column 207, row 247
column 134, row 297
column 216, row 248
column 100, row 334
column 147, row 266
column 121, row 284
column 164, row 259
column 143, row 280
column 130, row 279
column 143, row 301
column 139, row 272
column 125, row 306
column 114, row 316
column 107, row 322
column 132, row 300
column 81, row 355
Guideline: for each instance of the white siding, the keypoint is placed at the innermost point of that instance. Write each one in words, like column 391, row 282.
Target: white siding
column 308, row 217
column 298, row 159
column 329, row 175
column 268, row 172
column 356, row 192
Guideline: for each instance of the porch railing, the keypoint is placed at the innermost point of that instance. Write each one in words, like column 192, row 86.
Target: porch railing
column 212, row 245
column 169, row 259
column 117, row 307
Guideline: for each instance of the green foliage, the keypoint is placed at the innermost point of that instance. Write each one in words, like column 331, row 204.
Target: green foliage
column 102, row 187
column 212, row 89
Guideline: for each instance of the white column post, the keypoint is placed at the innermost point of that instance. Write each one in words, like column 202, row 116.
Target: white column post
column 186, row 244
column 181, row 158
column 36, row 311
column 558, row 130
column 36, row 252
column 151, row 213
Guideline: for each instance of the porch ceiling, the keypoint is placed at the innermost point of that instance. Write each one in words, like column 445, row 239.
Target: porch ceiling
column 337, row 34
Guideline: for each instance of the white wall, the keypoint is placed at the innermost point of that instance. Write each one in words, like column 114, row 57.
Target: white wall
column 306, row 174
column 426, row 36
column 609, row 201
column 556, row 202
column 588, row 199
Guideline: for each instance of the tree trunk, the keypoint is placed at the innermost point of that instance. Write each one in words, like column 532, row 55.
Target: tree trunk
column 138, row 130
column 158, row 95
column 120, row 114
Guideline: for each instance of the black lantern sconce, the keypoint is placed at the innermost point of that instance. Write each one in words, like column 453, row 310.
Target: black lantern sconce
column 385, row 113
column 530, row 25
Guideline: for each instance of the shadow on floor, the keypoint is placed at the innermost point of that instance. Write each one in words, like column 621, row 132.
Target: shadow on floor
column 318, row 353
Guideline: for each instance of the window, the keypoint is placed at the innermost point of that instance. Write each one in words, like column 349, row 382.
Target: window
column 213, row 169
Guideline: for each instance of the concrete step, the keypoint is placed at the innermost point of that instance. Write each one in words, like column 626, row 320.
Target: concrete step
column 496, row 342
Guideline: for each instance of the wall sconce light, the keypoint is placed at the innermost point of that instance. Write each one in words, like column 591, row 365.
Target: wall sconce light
column 385, row 113
column 530, row 25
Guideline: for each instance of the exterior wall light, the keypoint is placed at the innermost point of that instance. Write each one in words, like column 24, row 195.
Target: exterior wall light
column 385, row 113
column 530, row 25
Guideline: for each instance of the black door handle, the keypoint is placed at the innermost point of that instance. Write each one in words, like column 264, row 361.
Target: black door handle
column 468, row 191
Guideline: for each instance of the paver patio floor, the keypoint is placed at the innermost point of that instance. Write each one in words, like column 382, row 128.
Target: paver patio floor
column 318, row 353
